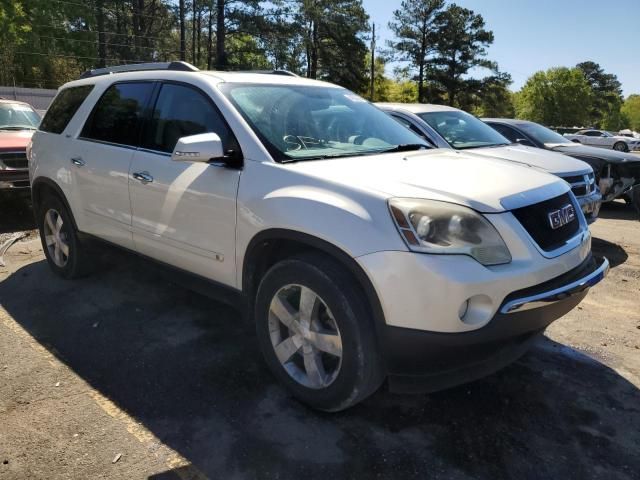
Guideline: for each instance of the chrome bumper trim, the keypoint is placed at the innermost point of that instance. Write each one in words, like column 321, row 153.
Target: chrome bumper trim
column 558, row 294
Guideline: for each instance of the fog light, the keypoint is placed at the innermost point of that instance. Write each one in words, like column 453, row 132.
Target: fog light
column 462, row 311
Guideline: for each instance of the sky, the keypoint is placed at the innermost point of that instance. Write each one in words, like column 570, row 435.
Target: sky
column 533, row 35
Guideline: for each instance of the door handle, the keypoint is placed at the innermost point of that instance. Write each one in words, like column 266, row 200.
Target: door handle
column 143, row 177
column 78, row 161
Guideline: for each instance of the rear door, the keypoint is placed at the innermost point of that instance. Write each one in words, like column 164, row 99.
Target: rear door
column 109, row 139
column 184, row 213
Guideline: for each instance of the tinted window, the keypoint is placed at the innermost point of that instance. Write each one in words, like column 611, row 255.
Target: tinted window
column 543, row 134
column 592, row 133
column 181, row 111
column 63, row 108
column 410, row 126
column 508, row 132
column 117, row 116
column 462, row 130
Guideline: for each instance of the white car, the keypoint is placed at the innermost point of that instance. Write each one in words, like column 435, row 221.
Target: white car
column 451, row 128
column 604, row 139
column 361, row 253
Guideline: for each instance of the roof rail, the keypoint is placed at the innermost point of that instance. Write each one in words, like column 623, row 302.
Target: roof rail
column 139, row 67
column 265, row 72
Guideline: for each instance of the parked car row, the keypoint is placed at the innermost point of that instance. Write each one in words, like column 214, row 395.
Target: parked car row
column 447, row 127
column 604, row 139
column 616, row 172
column 363, row 253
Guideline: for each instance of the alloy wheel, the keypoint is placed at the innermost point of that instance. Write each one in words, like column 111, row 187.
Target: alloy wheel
column 56, row 237
column 305, row 336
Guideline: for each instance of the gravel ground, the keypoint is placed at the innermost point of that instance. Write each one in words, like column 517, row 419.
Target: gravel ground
column 125, row 375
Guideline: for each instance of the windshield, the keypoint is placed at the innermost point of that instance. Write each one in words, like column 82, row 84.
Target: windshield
column 462, row 130
column 307, row 122
column 543, row 134
column 16, row 116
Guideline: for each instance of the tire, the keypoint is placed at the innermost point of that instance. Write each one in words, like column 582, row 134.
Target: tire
column 339, row 308
column 66, row 254
column 621, row 147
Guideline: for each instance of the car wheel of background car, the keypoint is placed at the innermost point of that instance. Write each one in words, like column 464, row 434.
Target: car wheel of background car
column 315, row 333
column 66, row 255
column 621, row 147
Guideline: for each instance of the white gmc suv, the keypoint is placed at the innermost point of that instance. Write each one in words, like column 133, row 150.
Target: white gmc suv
column 361, row 253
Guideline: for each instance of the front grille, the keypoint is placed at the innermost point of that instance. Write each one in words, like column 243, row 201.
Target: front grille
column 581, row 185
column 535, row 220
column 14, row 159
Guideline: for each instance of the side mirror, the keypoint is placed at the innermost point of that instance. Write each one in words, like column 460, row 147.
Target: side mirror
column 198, row 148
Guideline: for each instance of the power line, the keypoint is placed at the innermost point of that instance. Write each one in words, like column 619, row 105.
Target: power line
column 98, row 31
column 82, row 57
column 95, row 42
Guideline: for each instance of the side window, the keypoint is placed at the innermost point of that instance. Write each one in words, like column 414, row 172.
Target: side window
column 507, row 132
column 63, row 108
column 117, row 116
column 411, row 126
column 181, row 111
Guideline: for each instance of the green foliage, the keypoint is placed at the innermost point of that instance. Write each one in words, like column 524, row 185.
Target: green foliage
column 558, row 97
column 607, row 96
column 460, row 46
column 631, row 112
column 415, row 27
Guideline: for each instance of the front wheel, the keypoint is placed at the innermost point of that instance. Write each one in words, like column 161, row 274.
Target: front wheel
column 315, row 333
column 621, row 147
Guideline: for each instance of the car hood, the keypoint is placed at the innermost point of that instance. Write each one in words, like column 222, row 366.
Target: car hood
column 536, row 157
column 487, row 185
column 18, row 139
column 612, row 156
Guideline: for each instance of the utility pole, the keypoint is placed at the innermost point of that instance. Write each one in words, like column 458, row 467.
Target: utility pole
column 182, row 33
column 373, row 62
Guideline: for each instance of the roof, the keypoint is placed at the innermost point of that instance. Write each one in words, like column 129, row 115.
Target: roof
column 508, row 121
column 417, row 107
column 210, row 75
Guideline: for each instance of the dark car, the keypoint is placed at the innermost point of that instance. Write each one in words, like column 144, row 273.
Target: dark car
column 617, row 173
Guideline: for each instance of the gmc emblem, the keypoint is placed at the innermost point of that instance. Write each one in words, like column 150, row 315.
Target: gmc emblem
column 559, row 218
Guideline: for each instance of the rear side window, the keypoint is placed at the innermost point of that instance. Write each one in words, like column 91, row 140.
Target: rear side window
column 63, row 108
column 506, row 132
column 118, row 114
column 181, row 111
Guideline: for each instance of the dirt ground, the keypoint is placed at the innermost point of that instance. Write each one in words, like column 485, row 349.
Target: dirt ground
column 126, row 375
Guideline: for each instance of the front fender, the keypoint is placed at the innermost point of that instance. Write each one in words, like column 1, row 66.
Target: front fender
column 353, row 221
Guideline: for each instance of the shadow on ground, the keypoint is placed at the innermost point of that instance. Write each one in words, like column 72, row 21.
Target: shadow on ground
column 618, row 210
column 614, row 252
column 15, row 213
column 188, row 369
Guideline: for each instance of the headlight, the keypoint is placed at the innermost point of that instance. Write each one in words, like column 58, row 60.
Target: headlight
column 431, row 226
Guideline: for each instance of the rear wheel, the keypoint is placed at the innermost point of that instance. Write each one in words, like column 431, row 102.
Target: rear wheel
column 66, row 255
column 621, row 147
column 315, row 333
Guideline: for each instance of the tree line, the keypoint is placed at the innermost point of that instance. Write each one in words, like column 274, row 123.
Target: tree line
column 437, row 49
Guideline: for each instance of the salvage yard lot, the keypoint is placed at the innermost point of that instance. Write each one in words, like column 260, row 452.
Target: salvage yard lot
column 126, row 375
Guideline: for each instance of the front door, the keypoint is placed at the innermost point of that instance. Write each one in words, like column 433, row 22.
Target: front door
column 184, row 213
column 107, row 145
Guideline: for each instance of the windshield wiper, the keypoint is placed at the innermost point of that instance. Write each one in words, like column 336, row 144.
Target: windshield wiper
column 327, row 157
column 405, row 147
column 17, row 127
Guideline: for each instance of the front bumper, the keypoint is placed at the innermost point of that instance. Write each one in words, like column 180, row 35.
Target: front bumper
column 590, row 205
column 422, row 361
column 14, row 179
